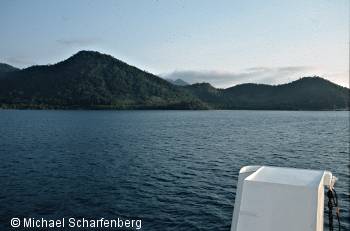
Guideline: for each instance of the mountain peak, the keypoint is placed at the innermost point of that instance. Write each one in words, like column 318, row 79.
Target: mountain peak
column 89, row 54
column 307, row 78
column 7, row 68
column 312, row 80
column 203, row 84
column 90, row 79
column 178, row 82
column 86, row 59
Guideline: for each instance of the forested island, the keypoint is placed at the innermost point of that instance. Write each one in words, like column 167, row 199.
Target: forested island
column 91, row 80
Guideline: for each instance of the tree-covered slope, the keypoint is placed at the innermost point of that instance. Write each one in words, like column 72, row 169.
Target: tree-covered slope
column 7, row 68
column 91, row 80
column 308, row 93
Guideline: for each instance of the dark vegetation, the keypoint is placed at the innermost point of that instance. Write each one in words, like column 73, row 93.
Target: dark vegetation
column 308, row 93
column 5, row 68
column 91, row 80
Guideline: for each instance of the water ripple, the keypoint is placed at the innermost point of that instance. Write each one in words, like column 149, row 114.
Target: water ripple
column 175, row 170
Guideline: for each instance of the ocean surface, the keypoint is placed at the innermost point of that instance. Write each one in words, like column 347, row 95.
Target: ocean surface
column 174, row 170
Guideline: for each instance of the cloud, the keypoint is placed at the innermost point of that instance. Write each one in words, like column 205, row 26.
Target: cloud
column 224, row 79
column 78, row 41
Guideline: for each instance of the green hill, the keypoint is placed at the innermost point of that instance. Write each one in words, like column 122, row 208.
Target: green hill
column 90, row 79
column 5, row 68
column 308, row 93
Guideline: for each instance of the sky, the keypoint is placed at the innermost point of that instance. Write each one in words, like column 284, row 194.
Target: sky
column 221, row 42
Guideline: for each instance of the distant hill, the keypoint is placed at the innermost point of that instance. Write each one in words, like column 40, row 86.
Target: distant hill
column 178, row 82
column 93, row 80
column 308, row 93
column 7, row 68
column 90, row 79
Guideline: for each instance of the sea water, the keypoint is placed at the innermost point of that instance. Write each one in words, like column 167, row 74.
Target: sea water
column 172, row 170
